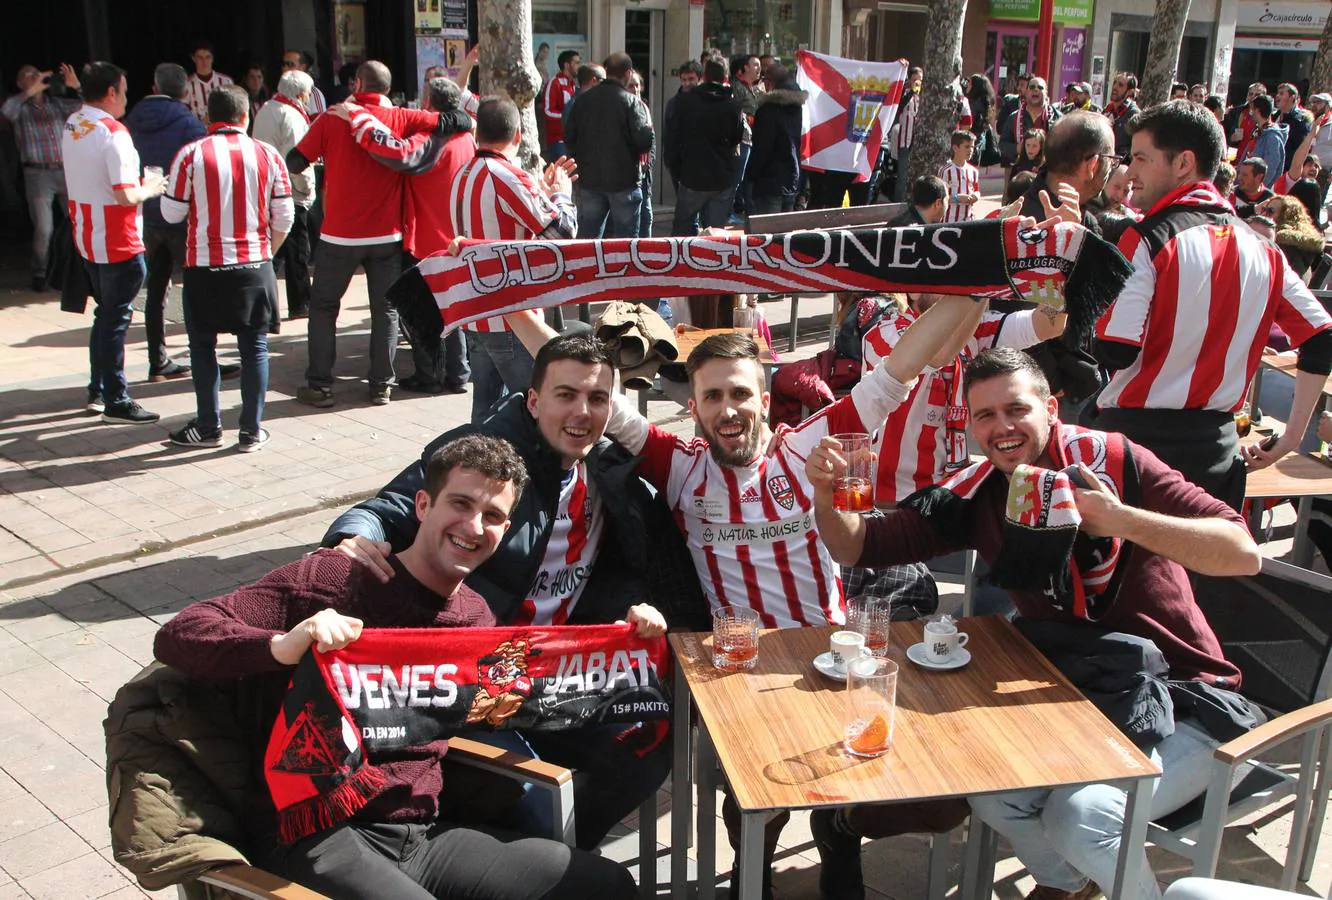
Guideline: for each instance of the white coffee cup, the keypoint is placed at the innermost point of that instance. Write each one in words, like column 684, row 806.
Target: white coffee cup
column 942, row 639
column 845, row 646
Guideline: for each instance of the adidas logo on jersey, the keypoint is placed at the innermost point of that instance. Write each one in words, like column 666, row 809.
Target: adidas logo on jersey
column 751, row 495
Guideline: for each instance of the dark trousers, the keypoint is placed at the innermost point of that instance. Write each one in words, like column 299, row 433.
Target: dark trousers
column 446, row 364
column 1200, row 444
column 420, row 862
column 337, row 264
column 613, row 772
column 164, row 249
column 826, row 189
column 296, row 261
column 114, row 287
column 767, row 204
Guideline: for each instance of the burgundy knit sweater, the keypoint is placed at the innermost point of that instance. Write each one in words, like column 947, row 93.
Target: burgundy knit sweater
column 228, row 637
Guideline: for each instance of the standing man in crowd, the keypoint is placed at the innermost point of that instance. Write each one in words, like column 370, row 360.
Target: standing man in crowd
column 690, row 74
column 105, row 192
column 1175, row 390
column 773, row 172
column 362, row 227
column 1121, row 109
column 1268, row 139
column 300, row 61
column 557, row 94
column 1295, row 118
column 282, row 124
column 746, row 86
column 1251, row 189
column 39, row 120
column 1320, row 105
column 234, row 193
column 492, row 199
column 589, row 76
column 608, row 133
column 203, row 81
column 160, row 125
column 1035, row 112
column 702, row 154
column 907, row 114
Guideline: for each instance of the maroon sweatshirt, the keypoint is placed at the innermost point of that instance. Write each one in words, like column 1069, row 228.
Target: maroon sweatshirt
column 1155, row 598
column 228, row 637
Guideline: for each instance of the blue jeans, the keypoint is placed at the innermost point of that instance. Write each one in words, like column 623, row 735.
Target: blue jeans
column 114, row 287
column 1068, row 835
column 645, row 215
column 500, row 366
column 253, row 346
column 740, row 188
column 713, row 207
column 621, row 206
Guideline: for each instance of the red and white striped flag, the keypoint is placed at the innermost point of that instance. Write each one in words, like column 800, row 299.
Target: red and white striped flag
column 851, row 107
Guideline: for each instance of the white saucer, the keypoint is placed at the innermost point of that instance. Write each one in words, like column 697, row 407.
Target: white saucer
column 916, row 653
column 824, row 663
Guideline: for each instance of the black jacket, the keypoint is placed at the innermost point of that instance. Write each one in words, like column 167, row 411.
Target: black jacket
column 774, row 163
column 702, row 138
column 643, row 556
column 607, row 131
column 160, row 126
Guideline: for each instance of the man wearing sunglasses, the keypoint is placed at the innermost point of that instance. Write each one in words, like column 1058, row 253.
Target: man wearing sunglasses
column 304, row 62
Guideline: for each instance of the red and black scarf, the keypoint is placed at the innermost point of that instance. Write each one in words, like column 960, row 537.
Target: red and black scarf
column 1042, row 548
column 1064, row 266
column 403, row 687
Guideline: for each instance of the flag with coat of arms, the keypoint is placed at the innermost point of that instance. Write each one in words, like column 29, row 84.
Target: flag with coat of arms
column 852, row 104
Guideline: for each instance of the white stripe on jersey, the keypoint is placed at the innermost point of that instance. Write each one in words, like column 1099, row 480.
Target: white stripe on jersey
column 196, row 92
column 100, row 158
column 906, row 134
column 963, row 179
column 571, row 552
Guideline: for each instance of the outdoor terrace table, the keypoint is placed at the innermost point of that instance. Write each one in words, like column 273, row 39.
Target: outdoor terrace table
column 1007, row 721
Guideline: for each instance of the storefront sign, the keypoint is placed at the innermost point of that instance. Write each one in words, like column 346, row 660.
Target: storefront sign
column 1275, row 42
column 1066, row 12
column 1282, row 15
column 428, row 16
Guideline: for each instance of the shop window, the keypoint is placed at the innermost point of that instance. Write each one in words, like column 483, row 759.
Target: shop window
column 758, row 26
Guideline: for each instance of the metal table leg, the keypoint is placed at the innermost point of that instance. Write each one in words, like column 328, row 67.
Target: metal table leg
column 705, row 774
column 1302, row 554
column 1131, row 843
column 750, row 864
column 681, row 791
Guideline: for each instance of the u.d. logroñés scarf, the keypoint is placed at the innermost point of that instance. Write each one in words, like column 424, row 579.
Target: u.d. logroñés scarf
column 1063, row 266
column 403, row 687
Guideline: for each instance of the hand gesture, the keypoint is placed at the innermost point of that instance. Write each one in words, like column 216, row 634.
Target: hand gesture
column 371, row 554
column 1068, row 209
column 474, row 55
column 1100, row 509
column 825, row 464
column 39, row 84
column 327, row 630
column 647, row 621
column 560, row 176
column 155, row 184
column 1325, row 426
column 1263, row 454
column 70, row 76
column 344, row 110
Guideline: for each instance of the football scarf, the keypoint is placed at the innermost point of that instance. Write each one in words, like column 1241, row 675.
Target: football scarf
column 403, row 687
column 1064, row 267
column 1042, row 548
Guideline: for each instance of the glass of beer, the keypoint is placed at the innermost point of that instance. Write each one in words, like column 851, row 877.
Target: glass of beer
column 870, row 616
column 871, row 705
column 853, row 491
column 735, row 639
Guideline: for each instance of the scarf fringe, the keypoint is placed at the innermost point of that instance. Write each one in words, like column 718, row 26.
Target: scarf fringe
column 321, row 812
column 1098, row 276
column 946, row 511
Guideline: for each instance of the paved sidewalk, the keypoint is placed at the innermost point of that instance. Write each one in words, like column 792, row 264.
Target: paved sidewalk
column 106, row 532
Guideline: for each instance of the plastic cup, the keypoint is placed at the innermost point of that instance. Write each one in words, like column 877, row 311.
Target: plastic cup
column 871, row 706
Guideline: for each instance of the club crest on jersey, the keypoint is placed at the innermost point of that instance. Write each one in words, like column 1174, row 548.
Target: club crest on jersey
column 781, row 491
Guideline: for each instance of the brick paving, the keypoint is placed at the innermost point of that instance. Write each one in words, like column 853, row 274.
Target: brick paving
column 106, row 532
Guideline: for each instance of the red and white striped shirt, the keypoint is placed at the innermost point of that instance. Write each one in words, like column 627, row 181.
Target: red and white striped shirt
column 906, row 132
column 925, row 438
column 100, row 159
column 571, row 552
column 233, row 192
column 963, row 179
column 751, row 529
column 494, row 200
column 197, row 91
column 559, row 91
column 1200, row 308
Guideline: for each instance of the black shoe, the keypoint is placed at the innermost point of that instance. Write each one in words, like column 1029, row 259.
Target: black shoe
column 95, row 406
column 229, row 371
column 840, row 876
column 194, row 436
column 416, row 384
column 455, row 388
column 322, row 398
column 303, row 313
column 252, row 441
column 168, row 372
column 380, row 396
column 128, row 413
column 38, row 283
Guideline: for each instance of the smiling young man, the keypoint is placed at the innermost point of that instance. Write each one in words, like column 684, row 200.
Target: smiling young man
column 587, row 547
column 1140, row 524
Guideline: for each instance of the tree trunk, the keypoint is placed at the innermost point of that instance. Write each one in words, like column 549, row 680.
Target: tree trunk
column 1320, row 79
column 504, row 30
column 1163, row 51
column 940, row 91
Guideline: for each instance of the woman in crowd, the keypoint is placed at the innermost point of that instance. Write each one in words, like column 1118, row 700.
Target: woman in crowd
column 1296, row 234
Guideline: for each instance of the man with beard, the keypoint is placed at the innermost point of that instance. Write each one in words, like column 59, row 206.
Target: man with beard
column 589, row 544
column 742, row 499
column 1068, row 838
column 1121, row 109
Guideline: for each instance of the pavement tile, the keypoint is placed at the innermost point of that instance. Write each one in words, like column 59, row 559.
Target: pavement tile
column 22, row 814
column 13, row 891
column 37, row 625
column 93, row 826
column 88, row 876
column 41, row 849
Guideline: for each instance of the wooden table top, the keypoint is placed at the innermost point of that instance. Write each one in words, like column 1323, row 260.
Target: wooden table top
column 1007, row 721
column 690, row 338
column 1286, row 362
column 1296, row 475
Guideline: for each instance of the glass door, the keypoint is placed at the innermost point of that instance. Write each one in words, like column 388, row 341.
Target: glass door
column 1009, row 52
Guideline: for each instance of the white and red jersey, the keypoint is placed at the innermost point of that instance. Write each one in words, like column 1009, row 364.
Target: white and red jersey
column 963, row 179
column 559, row 91
column 233, row 192
column 964, row 117
column 925, row 438
column 198, row 89
column 1199, row 305
column 751, row 529
column 100, row 159
column 906, row 132
column 571, row 551
column 494, row 200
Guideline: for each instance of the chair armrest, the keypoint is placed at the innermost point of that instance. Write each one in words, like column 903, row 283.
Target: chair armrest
column 508, row 763
column 256, row 884
column 1277, row 731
